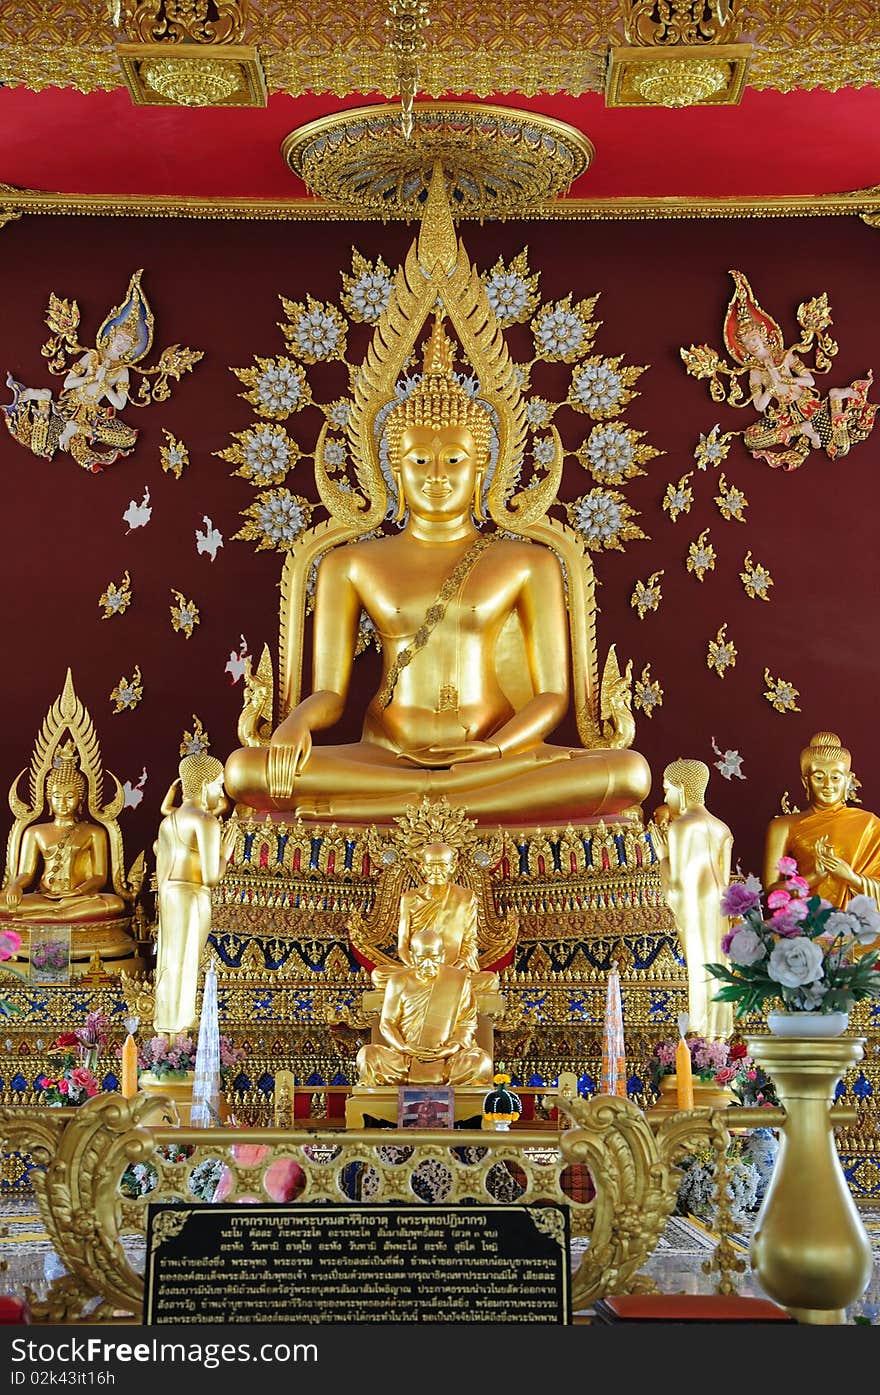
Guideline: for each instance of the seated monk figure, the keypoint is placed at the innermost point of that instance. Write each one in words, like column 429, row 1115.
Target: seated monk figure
column 428, row 1024
column 65, row 861
column 440, row 904
column 837, row 849
column 440, row 592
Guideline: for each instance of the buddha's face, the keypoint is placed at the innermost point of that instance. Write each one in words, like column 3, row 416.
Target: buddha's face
column 214, row 797
column 438, row 471
column 827, row 782
column 427, row 955
column 438, row 862
column 64, row 801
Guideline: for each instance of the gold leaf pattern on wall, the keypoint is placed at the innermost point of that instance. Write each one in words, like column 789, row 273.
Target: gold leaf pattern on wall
column 678, row 497
column 174, row 455
column 712, row 449
column 780, row 693
column 613, row 453
column 755, row 578
column 731, row 501
column 701, row 556
column 278, row 386
column 275, row 520
column 647, row 595
column 604, row 520
column 721, row 654
column 512, row 290
column 185, row 615
column 195, row 742
column 365, row 292
column 116, row 599
column 647, row 692
column 128, row 692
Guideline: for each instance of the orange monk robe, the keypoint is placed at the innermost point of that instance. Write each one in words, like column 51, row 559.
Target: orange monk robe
column 854, row 834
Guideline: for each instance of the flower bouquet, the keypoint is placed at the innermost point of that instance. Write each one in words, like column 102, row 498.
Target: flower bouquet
column 173, row 1059
column 697, row 1189
column 75, row 1083
column 710, row 1062
column 10, row 944
column 803, row 952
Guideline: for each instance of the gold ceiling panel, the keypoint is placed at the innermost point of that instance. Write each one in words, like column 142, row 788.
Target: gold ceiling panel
column 523, row 46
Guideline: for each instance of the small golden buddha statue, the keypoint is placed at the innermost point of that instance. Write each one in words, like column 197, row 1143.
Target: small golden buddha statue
column 67, row 858
column 192, row 853
column 428, row 1024
column 70, row 870
column 475, row 649
column 837, row 849
column 695, row 851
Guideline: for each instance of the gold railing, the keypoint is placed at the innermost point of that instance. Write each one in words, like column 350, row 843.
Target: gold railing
column 81, row 1158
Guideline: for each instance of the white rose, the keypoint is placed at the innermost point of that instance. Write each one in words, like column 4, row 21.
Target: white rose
column 746, row 947
column 864, row 909
column 795, row 962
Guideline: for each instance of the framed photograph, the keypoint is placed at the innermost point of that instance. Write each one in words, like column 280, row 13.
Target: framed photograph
column 49, row 954
column 425, row 1107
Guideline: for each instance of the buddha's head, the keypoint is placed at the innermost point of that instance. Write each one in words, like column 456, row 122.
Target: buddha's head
column 684, row 784
column 826, row 770
column 201, row 779
column 438, row 440
column 426, row 948
column 66, row 784
column 438, row 863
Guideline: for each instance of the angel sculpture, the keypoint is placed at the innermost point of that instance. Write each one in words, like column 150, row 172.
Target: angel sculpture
column 795, row 417
column 83, row 419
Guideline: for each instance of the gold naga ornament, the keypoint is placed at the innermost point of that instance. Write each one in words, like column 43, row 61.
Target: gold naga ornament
column 83, row 419
column 70, row 871
column 795, row 417
column 463, row 709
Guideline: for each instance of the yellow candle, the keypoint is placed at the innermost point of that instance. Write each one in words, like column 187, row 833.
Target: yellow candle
column 684, row 1077
column 129, row 1067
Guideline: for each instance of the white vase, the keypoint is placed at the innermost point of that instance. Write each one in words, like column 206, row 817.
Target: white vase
column 811, row 1025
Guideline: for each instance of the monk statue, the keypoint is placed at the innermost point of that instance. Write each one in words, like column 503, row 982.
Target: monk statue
column 479, row 625
column 192, row 852
column 837, row 849
column 69, row 870
column 428, row 1024
column 695, row 851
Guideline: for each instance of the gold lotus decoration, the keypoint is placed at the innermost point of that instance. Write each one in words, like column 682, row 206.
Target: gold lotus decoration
column 496, row 160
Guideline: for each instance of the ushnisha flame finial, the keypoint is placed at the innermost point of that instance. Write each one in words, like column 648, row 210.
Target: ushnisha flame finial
column 438, row 244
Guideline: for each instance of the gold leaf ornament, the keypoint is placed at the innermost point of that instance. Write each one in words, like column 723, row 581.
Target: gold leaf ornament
column 128, row 692
column 731, row 501
column 275, row 520
column 647, row 595
column 195, row 742
column 604, row 520
column 564, row 332
column 613, row 453
column 713, row 448
column 512, row 290
column 277, row 387
column 678, row 497
column 365, row 292
column 721, row 654
column 780, row 693
column 116, row 599
column 315, row 331
column 701, row 556
column 184, row 615
column 174, row 455
column 264, row 454
column 647, row 692
column 756, row 579
column 601, row 387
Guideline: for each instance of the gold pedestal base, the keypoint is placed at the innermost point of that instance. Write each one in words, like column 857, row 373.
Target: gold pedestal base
column 380, row 1101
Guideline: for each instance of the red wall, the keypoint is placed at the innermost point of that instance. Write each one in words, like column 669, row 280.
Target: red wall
column 214, row 286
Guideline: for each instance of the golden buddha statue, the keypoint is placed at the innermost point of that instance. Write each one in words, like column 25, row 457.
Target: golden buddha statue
column 695, row 851
column 479, row 627
column 192, row 852
column 428, row 1024
column 837, row 849
column 70, row 870
column 441, row 905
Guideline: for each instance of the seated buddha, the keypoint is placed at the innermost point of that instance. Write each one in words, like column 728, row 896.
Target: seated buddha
column 440, row 593
column 837, row 849
column 63, row 868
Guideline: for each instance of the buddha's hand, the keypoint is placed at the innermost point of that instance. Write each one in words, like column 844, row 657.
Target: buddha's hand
column 294, row 734
column 12, row 896
column 454, row 755
column 828, row 863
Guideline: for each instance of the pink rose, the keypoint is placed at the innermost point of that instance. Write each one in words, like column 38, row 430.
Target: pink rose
column 724, row 1075
column 752, row 1075
column 10, row 943
column 740, row 897
column 787, row 866
column 777, row 899
column 786, row 921
column 64, row 1087
column 726, row 941
column 82, row 1077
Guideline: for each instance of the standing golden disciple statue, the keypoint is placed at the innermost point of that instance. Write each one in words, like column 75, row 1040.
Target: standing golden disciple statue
column 837, row 849
column 428, row 1024
column 695, row 851
column 192, row 852
column 478, row 635
column 69, row 870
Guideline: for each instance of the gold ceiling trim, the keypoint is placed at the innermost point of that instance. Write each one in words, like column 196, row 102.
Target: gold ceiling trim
column 193, row 75
column 477, row 46
column 686, row 76
column 498, row 161
column 864, row 203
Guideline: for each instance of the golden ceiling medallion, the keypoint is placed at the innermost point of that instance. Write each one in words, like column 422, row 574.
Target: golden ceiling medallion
column 193, row 75
column 498, row 161
column 682, row 75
